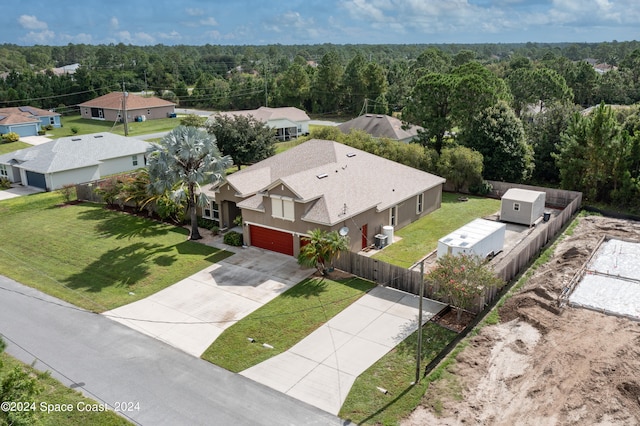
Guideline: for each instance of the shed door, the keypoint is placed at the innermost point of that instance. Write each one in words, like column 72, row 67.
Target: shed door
column 270, row 239
column 36, row 179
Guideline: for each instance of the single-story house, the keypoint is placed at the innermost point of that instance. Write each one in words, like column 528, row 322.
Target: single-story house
column 288, row 122
column 26, row 120
column 326, row 185
column 109, row 107
column 522, row 206
column 73, row 159
column 381, row 126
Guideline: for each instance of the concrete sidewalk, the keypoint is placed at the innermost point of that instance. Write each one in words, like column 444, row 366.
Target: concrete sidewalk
column 192, row 313
column 321, row 368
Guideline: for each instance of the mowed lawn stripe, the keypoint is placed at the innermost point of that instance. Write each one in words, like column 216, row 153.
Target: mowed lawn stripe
column 95, row 258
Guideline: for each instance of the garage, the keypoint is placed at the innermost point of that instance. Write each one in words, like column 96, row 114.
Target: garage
column 36, row 179
column 270, row 239
column 26, row 129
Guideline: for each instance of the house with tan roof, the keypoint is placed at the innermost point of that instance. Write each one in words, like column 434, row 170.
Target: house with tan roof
column 322, row 184
column 26, row 120
column 288, row 122
column 382, row 126
column 109, row 107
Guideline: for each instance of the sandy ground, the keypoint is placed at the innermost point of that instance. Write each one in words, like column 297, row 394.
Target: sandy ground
column 542, row 365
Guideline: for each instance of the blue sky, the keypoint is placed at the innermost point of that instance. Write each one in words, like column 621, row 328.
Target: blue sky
column 257, row 22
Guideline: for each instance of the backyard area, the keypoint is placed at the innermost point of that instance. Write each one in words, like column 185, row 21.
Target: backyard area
column 421, row 237
column 93, row 257
column 12, row 146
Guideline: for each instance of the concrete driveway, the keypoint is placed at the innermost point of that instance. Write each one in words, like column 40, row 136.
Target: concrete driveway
column 321, row 369
column 17, row 191
column 192, row 313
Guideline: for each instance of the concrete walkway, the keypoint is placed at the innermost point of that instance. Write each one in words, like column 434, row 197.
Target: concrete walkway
column 192, row 313
column 321, row 368
column 17, row 190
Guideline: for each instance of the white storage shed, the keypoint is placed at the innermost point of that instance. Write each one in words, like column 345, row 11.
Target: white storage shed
column 479, row 237
column 522, row 206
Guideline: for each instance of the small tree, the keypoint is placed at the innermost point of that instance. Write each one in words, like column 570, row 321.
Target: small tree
column 461, row 280
column 20, row 386
column 461, row 166
column 321, row 249
column 193, row 120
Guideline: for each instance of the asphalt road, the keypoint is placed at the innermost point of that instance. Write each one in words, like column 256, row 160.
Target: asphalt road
column 112, row 363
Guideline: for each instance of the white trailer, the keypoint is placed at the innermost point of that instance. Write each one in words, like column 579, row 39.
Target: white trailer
column 480, row 237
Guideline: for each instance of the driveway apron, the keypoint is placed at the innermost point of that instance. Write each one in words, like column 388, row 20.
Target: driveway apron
column 192, row 313
column 321, row 369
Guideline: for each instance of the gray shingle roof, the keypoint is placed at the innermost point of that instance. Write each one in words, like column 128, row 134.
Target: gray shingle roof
column 267, row 114
column 74, row 152
column 342, row 180
column 380, row 126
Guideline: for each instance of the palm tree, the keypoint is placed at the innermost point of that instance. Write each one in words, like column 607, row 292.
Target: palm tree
column 321, row 249
column 185, row 159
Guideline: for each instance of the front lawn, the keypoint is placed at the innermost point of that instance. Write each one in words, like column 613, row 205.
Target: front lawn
column 421, row 237
column 95, row 258
column 284, row 321
column 54, row 392
column 395, row 372
column 12, row 146
column 86, row 126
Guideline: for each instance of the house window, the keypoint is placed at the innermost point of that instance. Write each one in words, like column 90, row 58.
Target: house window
column 3, row 170
column 52, row 120
column 282, row 208
column 516, row 207
column 393, row 213
column 148, row 112
column 419, row 203
column 134, row 160
column 212, row 211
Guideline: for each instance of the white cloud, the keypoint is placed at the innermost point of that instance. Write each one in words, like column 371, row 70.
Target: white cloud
column 31, row 22
column 173, row 35
column 39, row 37
column 144, row 38
column 114, row 23
column 82, row 38
column 194, row 12
column 210, row 21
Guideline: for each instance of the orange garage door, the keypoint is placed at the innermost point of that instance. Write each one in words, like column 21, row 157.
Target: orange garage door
column 270, row 239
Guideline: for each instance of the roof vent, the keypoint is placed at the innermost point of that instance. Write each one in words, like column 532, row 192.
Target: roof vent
column 351, row 154
column 368, row 115
column 463, row 236
column 378, row 116
column 322, row 176
column 76, row 139
column 98, row 136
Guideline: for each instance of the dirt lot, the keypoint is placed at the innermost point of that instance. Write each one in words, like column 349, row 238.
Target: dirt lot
column 543, row 366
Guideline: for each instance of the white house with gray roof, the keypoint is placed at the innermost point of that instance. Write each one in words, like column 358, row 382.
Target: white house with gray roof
column 288, row 122
column 322, row 184
column 382, row 126
column 73, row 159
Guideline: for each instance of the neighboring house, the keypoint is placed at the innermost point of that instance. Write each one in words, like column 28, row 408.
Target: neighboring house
column 381, row 126
column 109, row 107
column 289, row 122
column 66, row 70
column 73, row 159
column 326, row 185
column 26, row 120
column 522, row 206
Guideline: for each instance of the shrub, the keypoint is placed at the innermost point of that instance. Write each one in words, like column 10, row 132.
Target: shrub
column 203, row 222
column 48, row 127
column 74, row 130
column 11, row 137
column 5, row 183
column 483, row 188
column 67, row 191
column 233, row 238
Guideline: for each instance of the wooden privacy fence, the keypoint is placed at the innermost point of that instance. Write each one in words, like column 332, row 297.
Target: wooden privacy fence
column 506, row 267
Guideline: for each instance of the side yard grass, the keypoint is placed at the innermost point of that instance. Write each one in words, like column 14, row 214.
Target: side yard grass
column 395, row 372
column 54, row 392
column 284, row 321
column 421, row 237
column 12, row 146
column 95, row 258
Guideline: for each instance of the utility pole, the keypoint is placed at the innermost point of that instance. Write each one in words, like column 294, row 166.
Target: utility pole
column 124, row 110
column 419, row 354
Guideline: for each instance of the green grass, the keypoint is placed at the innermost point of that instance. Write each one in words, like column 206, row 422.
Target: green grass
column 86, row 126
column 394, row 372
column 54, row 392
column 12, row 146
column 284, row 321
column 92, row 257
column 421, row 237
